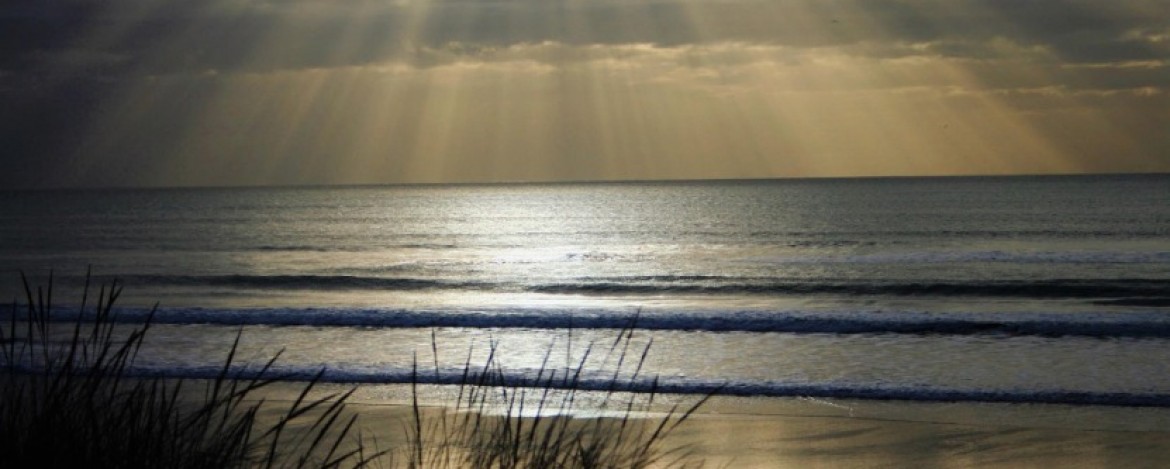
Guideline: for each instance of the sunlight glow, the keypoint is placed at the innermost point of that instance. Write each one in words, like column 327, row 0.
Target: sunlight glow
column 448, row 91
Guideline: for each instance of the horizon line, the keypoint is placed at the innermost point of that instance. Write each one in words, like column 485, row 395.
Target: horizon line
column 583, row 181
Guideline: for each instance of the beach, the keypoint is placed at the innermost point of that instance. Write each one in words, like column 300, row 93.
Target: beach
column 930, row 322
column 813, row 433
column 585, row 233
column 844, row 442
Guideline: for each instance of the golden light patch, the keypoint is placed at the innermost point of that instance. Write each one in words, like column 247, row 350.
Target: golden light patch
column 705, row 108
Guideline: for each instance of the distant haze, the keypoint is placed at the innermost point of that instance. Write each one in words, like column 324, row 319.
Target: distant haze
column 261, row 92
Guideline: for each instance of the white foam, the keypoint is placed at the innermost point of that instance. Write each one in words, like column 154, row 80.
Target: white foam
column 1111, row 324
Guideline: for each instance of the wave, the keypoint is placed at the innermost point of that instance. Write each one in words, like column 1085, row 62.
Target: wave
column 1041, row 257
column 1101, row 325
column 1059, row 288
column 605, row 382
column 318, row 282
column 1110, row 289
column 351, row 248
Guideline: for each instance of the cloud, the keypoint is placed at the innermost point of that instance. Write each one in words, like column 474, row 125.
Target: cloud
column 296, row 91
column 165, row 37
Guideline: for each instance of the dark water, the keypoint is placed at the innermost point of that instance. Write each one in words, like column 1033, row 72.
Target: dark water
column 1037, row 289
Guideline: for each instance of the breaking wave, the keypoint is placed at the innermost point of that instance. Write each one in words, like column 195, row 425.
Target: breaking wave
column 1136, row 324
column 1105, row 289
column 680, row 385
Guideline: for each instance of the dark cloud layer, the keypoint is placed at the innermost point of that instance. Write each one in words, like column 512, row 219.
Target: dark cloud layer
column 164, row 37
column 63, row 61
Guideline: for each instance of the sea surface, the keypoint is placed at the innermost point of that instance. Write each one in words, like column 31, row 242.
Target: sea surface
column 1047, row 290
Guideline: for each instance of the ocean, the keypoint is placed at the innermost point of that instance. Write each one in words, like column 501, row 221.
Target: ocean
column 1034, row 290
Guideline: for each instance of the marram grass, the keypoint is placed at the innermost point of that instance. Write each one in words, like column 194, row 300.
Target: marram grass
column 76, row 403
column 496, row 425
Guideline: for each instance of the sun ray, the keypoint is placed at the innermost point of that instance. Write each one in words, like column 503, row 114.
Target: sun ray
column 362, row 91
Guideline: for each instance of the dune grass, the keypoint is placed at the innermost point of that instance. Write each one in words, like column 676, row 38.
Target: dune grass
column 498, row 424
column 75, row 402
column 69, row 398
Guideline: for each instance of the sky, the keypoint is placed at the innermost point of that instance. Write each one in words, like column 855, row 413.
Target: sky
column 289, row 92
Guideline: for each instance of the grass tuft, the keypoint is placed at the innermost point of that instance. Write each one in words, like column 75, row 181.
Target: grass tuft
column 69, row 398
column 498, row 424
column 76, row 403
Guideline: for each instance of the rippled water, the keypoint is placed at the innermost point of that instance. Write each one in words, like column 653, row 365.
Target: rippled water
column 1044, row 289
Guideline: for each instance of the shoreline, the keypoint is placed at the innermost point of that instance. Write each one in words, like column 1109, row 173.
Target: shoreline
column 796, row 441
column 803, row 433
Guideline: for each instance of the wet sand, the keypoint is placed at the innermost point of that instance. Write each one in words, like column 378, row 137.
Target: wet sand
column 812, row 433
column 843, row 442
